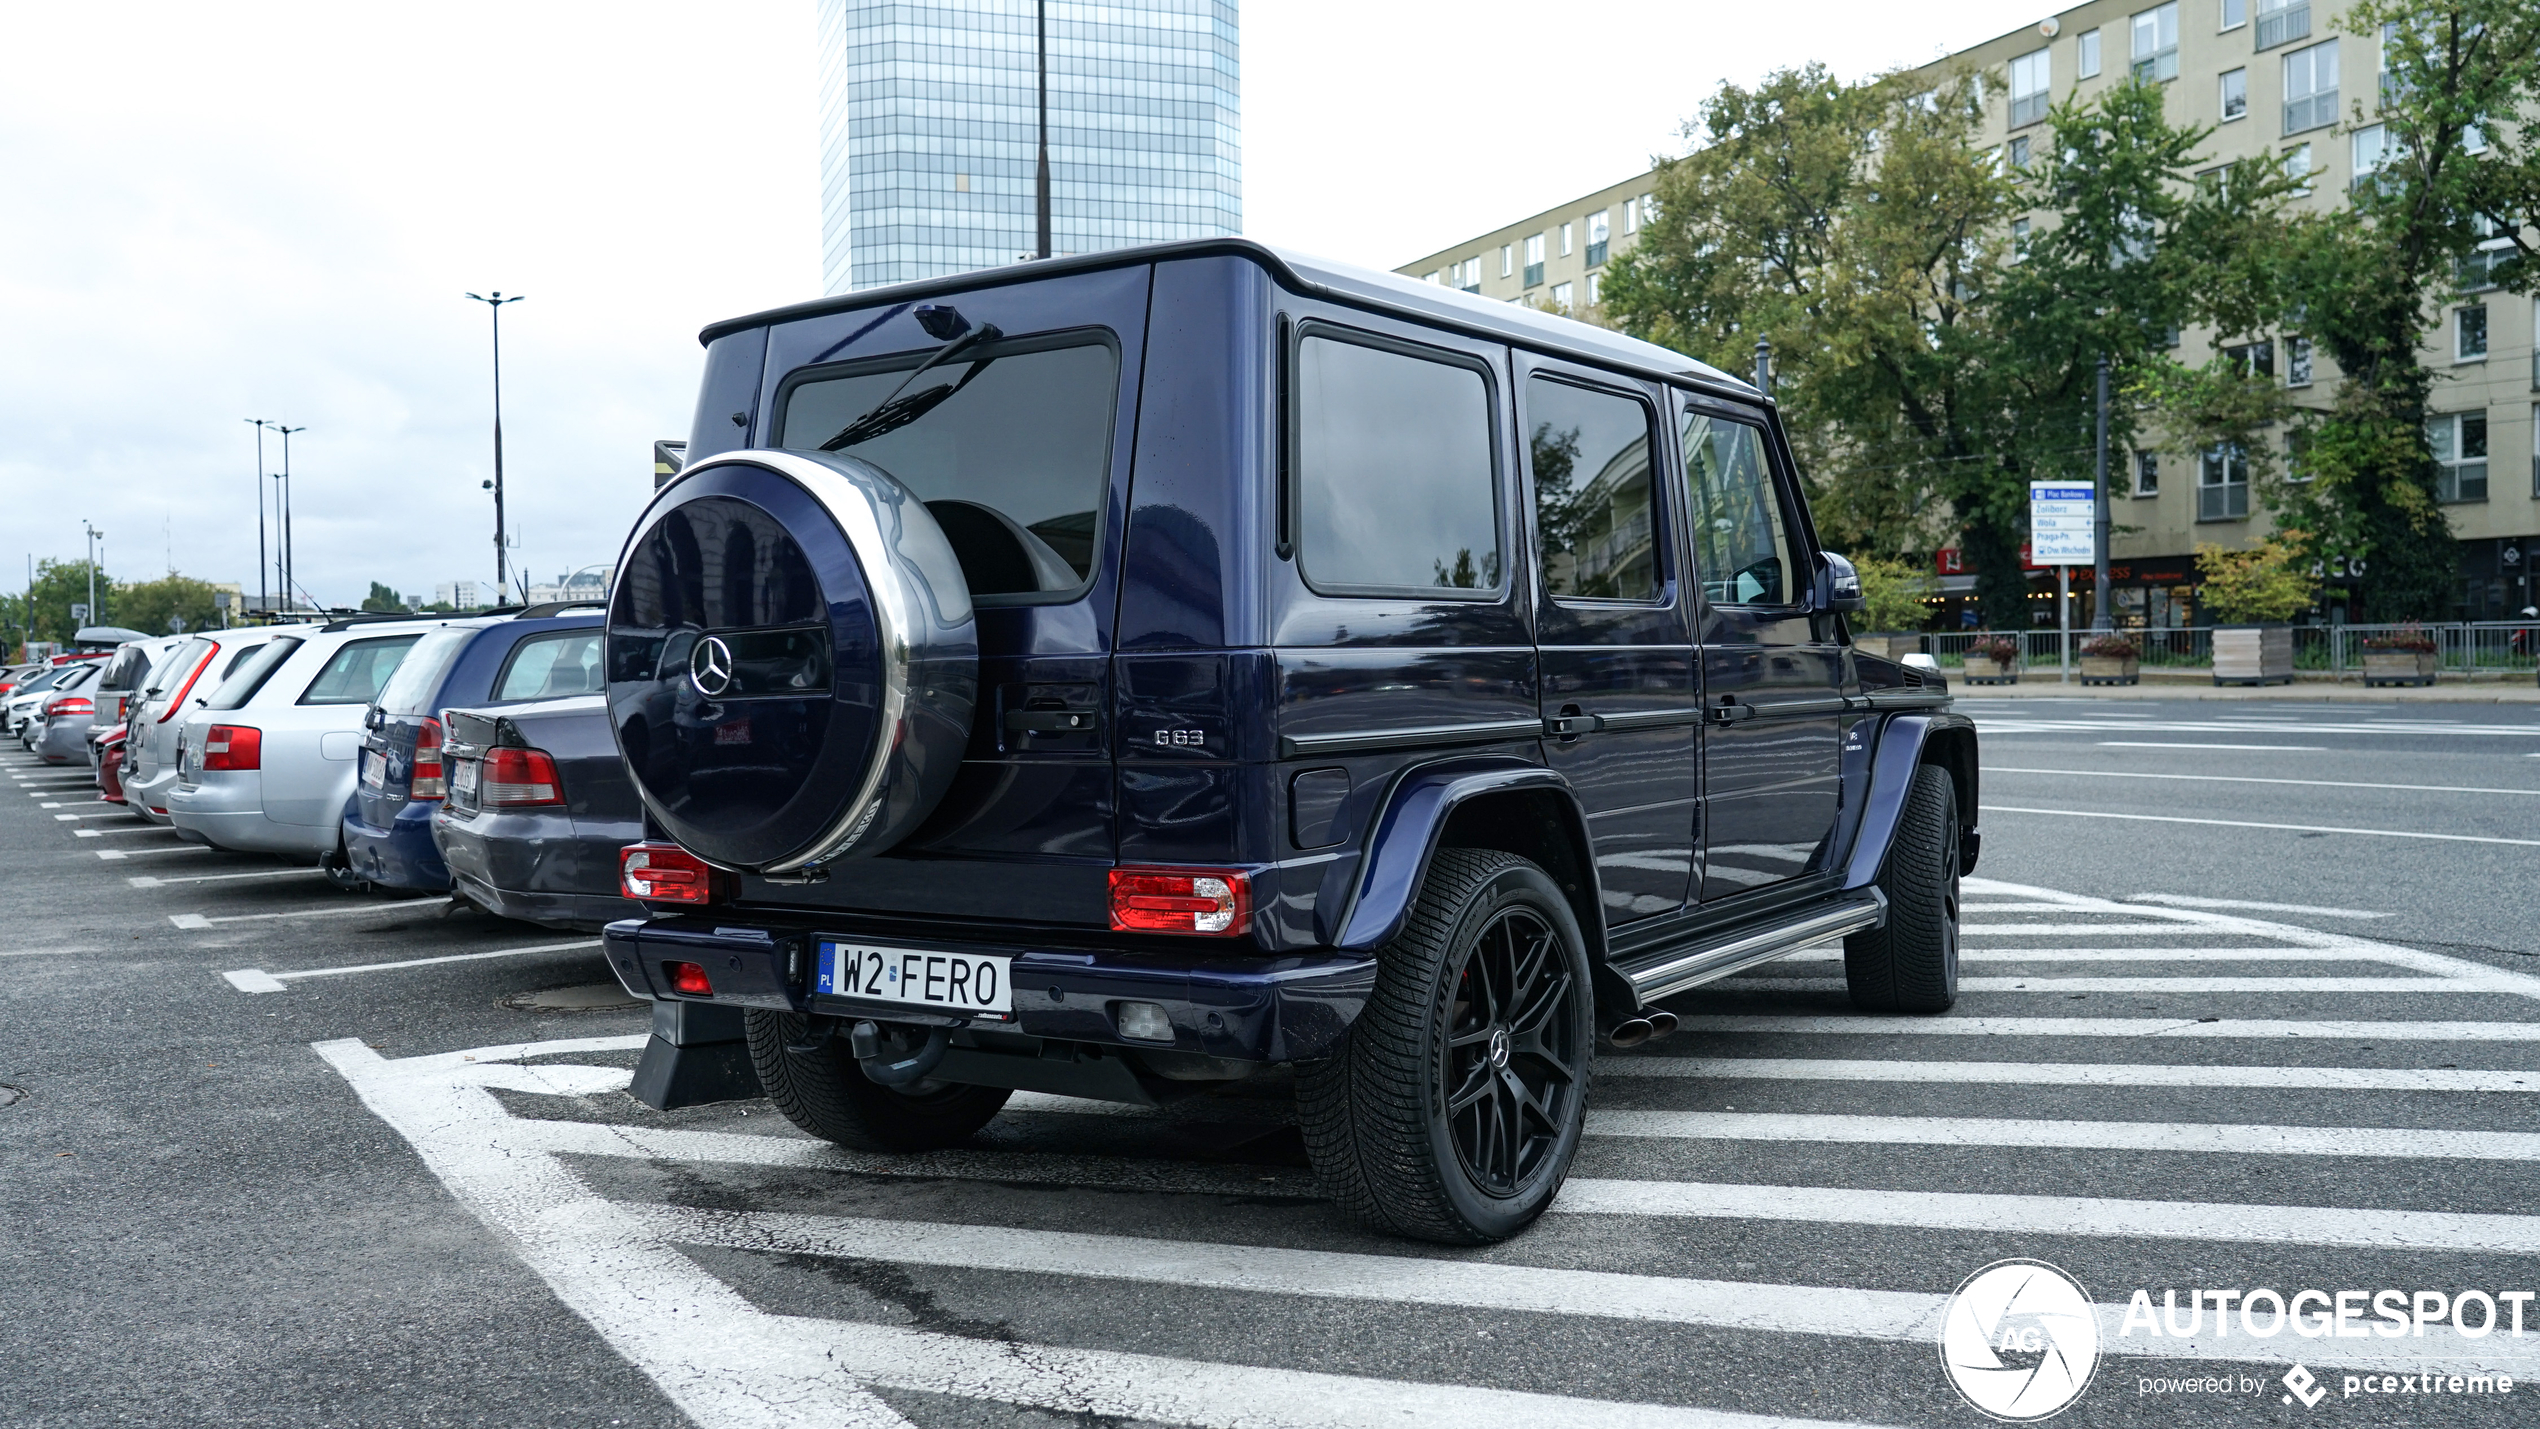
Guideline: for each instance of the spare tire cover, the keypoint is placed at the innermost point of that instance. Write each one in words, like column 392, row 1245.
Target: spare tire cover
column 792, row 661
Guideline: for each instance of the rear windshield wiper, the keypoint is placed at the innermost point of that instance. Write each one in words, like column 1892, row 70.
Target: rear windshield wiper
column 895, row 411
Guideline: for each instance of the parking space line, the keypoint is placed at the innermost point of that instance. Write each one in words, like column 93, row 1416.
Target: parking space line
column 97, row 814
column 2072, row 1074
column 114, row 853
column 2182, row 900
column 42, row 952
column 258, row 980
column 2144, row 984
column 2173, row 744
column 2252, row 824
column 2196, row 1137
column 2251, row 779
column 143, row 880
column 197, row 920
column 2073, row 930
column 2135, row 1027
column 138, row 828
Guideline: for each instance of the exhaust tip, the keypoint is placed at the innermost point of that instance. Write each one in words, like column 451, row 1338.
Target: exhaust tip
column 1661, row 1023
column 1629, row 1034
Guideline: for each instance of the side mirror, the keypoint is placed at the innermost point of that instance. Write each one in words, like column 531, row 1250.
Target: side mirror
column 1838, row 585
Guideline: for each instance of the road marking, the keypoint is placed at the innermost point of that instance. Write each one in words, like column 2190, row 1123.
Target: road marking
column 2072, row 930
column 114, row 853
column 42, row 952
column 2144, row 984
column 258, row 980
column 1834, row 954
column 2146, row 1027
column 2246, row 824
column 2173, row 744
column 135, row 829
column 2098, row 723
column 2250, row 779
column 197, row 920
column 143, row 880
column 98, row 814
column 2182, row 900
column 729, row 1365
column 2199, row 1137
column 2072, row 1074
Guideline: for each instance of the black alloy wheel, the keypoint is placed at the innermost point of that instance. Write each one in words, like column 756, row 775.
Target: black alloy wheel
column 1513, row 1063
column 1910, row 964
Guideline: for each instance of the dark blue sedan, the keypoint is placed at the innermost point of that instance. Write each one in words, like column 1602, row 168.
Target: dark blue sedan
column 539, row 654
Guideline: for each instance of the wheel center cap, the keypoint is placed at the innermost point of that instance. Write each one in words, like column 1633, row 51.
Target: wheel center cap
column 1500, row 1046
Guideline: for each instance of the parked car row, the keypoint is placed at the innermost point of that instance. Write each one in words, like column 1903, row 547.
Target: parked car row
column 324, row 743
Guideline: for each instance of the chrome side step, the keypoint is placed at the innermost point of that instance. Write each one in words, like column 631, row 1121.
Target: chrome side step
column 1657, row 975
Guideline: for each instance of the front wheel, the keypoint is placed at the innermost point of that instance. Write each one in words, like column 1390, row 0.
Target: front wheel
column 1454, row 1106
column 1911, row 963
column 825, row 1093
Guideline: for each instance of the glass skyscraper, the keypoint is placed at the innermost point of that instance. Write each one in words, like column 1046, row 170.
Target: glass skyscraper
column 927, row 131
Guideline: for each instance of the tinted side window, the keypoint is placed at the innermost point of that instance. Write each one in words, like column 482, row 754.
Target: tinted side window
column 1395, row 492
column 412, row 689
column 248, row 671
column 176, row 667
column 1589, row 452
column 1741, row 549
column 545, row 666
column 354, row 675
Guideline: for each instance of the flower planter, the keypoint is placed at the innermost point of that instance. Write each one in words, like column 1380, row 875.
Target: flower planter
column 2399, row 667
column 2253, row 655
column 2111, row 670
column 1891, row 645
column 2003, row 672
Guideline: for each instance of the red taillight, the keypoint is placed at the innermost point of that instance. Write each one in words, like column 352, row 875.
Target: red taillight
column 1212, row 902
column 426, row 782
column 233, row 746
column 68, row 705
column 521, row 778
column 687, row 979
column 664, row 873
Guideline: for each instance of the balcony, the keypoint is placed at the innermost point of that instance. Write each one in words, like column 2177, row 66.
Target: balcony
column 1596, row 255
column 2027, row 108
column 2223, row 501
column 1534, row 274
column 2284, row 25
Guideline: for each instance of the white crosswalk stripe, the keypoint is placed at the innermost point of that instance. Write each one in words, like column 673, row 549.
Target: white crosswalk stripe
column 632, row 1267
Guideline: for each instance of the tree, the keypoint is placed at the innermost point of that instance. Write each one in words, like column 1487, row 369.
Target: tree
column 1892, row 594
column 2269, row 581
column 149, row 605
column 2453, row 171
column 381, row 598
column 59, row 585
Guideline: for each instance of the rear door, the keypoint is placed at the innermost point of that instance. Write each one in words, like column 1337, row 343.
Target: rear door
column 1771, row 671
column 1621, row 714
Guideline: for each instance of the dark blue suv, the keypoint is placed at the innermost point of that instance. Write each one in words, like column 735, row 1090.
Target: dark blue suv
column 1125, row 675
column 540, row 653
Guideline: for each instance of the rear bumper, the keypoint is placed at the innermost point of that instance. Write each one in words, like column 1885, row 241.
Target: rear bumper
column 1235, row 1008
column 401, row 855
column 227, row 810
column 537, row 866
column 61, row 742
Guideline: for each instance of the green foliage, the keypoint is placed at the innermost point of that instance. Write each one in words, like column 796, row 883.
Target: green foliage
column 2271, row 580
column 44, row 611
column 383, row 599
column 1892, row 594
column 149, row 605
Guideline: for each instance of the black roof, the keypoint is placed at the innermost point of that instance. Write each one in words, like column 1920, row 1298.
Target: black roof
column 1338, row 282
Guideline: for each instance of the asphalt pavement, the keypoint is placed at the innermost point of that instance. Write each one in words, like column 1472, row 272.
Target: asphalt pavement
column 2249, row 1005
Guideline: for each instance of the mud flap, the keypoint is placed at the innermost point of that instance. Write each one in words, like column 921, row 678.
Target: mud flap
column 699, row 1053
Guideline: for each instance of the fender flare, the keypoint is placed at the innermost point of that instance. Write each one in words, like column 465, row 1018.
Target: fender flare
column 1903, row 742
column 1405, row 835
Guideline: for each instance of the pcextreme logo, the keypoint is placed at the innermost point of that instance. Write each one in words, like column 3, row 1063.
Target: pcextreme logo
column 2019, row 1340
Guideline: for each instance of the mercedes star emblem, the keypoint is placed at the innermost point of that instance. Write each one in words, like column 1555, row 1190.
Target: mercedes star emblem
column 710, row 667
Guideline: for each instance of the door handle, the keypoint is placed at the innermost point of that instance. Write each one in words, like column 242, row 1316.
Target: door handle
column 1569, row 724
column 1729, row 711
column 1048, row 721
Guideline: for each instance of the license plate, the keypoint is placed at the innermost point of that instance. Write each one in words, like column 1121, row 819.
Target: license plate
column 951, row 982
column 374, row 770
column 463, row 775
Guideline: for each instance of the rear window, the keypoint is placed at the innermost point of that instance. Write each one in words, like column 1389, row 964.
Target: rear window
column 1395, row 492
column 418, row 679
column 125, row 668
column 175, row 666
column 357, row 670
column 566, row 662
column 249, row 670
column 1012, row 458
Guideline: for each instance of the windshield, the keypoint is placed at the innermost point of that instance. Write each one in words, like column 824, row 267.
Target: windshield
column 249, row 675
column 418, row 680
column 354, row 675
column 1013, row 464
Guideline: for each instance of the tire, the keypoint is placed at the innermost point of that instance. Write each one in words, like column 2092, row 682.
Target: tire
column 826, row 1094
column 1911, row 964
column 1382, row 1118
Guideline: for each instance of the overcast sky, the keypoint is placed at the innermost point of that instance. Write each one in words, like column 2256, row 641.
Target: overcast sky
column 210, row 213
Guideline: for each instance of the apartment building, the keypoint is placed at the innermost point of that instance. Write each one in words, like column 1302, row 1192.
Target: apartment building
column 2270, row 77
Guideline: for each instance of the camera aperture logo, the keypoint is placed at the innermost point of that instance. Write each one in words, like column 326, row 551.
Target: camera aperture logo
column 2019, row 1340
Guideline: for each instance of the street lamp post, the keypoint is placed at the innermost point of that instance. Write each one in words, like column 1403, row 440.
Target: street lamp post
column 1041, row 169
column 290, row 565
column 263, row 597
column 2100, row 616
column 494, row 304
column 94, row 536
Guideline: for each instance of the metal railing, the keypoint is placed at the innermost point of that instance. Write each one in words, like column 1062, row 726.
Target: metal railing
column 2465, row 650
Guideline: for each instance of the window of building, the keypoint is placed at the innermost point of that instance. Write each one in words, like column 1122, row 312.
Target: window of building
column 2281, row 22
column 2257, row 359
column 2310, row 87
column 1565, row 240
column 1631, row 217
column 2019, row 151
column 1561, row 296
column 2088, row 45
column 1741, row 548
column 2019, row 237
column 1534, row 259
column 2235, row 13
column 1507, row 259
column 1395, row 493
column 2535, row 449
column 2235, row 94
column 2156, row 42
column 2147, row 474
column 1472, row 274
column 2297, row 456
column 1596, row 288
column 1589, row 455
column 2459, row 440
column 2297, row 362
column 2477, row 268
column 2469, row 333
column 1600, row 228
column 1434, row 276
column 2222, row 484
column 2297, row 166
column 2372, row 149
column 2032, row 77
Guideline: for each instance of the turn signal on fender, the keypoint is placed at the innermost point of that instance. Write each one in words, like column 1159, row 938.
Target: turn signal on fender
column 666, row 873
column 1210, row 902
